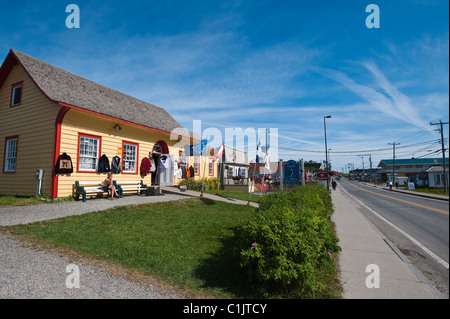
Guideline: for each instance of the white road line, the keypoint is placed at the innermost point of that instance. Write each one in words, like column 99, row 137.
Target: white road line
column 429, row 252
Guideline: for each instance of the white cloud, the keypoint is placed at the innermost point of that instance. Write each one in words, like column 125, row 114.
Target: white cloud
column 389, row 100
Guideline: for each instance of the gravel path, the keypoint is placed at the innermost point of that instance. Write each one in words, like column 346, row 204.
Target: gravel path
column 14, row 215
column 27, row 272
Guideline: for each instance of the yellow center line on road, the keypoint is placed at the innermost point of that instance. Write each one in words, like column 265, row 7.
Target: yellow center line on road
column 404, row 201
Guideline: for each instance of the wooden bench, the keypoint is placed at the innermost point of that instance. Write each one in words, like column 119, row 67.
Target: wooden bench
column 85, row 188
column 131, row 186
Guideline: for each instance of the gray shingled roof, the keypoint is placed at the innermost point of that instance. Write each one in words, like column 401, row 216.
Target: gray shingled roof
column 65, row 87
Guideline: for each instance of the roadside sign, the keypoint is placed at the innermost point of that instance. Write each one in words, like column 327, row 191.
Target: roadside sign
column 322, row 176
column 291, row 172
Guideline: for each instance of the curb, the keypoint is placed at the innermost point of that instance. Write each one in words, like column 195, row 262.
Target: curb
column 438, row 197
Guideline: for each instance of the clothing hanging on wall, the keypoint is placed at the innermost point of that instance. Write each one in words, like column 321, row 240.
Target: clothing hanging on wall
column 178, row 173
column 64, row 164
column 115, row 165
column 103, row 165
column 164, row 161
column 153, row 165
column 155, row 172
column 145, row 166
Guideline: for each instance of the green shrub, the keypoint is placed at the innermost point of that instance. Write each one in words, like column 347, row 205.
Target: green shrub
column 290, row 241
column 212, row 183
column 196, row 185
column 192, row 184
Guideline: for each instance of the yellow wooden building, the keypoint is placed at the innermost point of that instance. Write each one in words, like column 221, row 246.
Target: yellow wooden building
column 47, row 113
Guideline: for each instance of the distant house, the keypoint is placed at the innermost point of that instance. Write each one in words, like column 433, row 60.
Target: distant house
column 47, row 112
column 236, row 167
column 436, row 177
column 367, row 174
column 413, row 169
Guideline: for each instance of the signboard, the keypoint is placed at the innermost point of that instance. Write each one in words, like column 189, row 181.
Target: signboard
column 411, row 186
column 291, row 172
column 322, row 176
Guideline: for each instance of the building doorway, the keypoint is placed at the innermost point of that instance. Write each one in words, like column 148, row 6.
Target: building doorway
column 163, row 175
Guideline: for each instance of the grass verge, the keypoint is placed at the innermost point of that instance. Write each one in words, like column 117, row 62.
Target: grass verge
column 13, row 200
column 236, row 195
column 190, row 243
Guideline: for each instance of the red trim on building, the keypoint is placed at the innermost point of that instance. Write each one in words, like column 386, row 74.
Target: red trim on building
column 113, row 118
column 164, row 147
column 7, row 66
column 56, row 150
column 78, row 151
column 137, row 157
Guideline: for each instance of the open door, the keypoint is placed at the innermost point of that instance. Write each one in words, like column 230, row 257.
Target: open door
column 166, row 170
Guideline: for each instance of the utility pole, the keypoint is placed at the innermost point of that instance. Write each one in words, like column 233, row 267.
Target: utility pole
column 326, row 151
column 362, row 159
column 443, row 152
column 393, row 161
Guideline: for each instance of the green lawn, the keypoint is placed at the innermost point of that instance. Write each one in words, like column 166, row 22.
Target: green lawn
column 30, row 200
column 236, row 195
column 431, row 191
column 191, row 243
column 18, row 200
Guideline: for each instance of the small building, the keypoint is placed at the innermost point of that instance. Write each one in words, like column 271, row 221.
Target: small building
column 47, row 113
column 412, row 169
column 436, row 177
column 236, row 168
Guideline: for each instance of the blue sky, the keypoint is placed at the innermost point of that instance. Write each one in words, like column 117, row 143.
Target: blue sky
column 262, row 64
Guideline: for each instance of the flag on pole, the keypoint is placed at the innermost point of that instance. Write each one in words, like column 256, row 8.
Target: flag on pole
column 259, row 153
column 219, row 154
column 268, row 159
column 200, row 148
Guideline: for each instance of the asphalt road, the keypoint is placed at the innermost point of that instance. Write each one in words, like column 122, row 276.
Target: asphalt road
column 418, row 226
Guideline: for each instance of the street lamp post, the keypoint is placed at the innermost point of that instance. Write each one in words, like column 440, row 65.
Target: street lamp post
column 326, row 151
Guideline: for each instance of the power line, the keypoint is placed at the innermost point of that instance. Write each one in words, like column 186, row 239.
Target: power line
column 359, row 151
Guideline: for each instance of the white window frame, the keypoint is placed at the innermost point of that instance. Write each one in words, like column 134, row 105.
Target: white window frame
column 130, row 158
column 10, row 165
column 14, row 92
column 88, row 153
column 439, row 180
column 196, row 165
column 211, row 167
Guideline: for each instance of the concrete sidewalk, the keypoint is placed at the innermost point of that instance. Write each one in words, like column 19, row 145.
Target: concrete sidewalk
column 363, row 245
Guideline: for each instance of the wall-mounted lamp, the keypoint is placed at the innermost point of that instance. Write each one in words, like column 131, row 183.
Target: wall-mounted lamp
column 117, row 126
